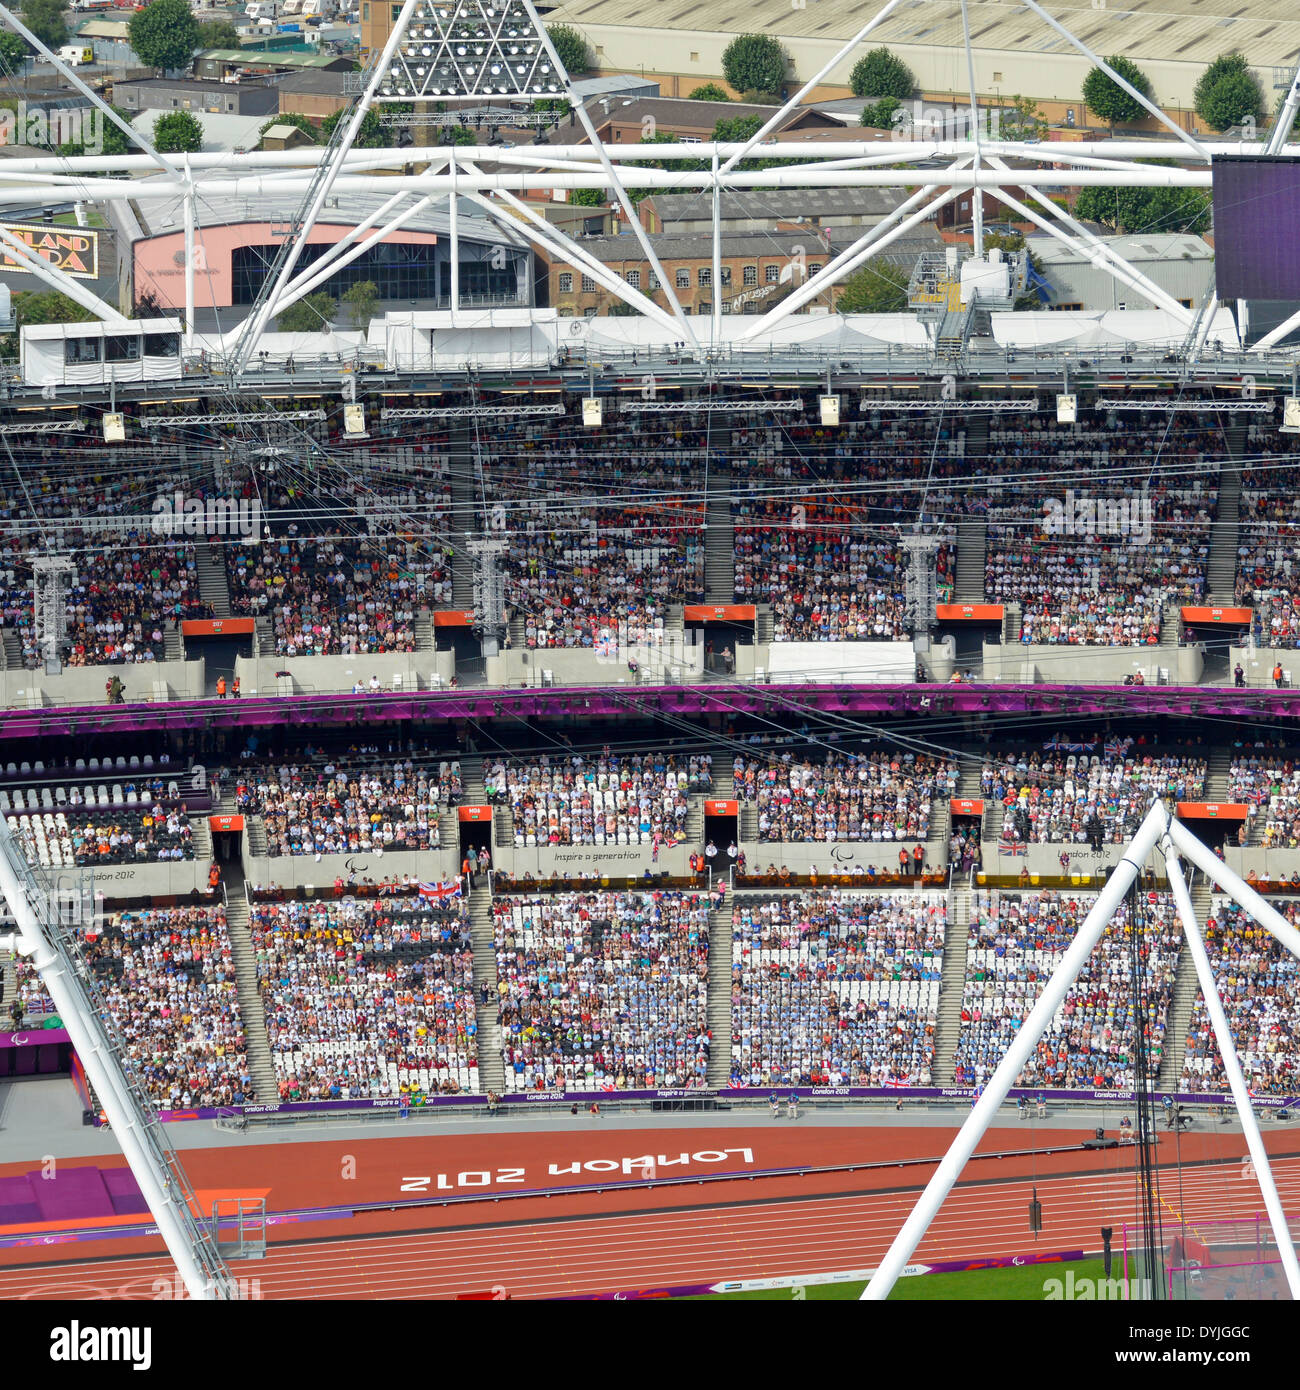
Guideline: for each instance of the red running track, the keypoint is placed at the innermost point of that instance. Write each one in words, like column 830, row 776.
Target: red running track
column 725, row 1239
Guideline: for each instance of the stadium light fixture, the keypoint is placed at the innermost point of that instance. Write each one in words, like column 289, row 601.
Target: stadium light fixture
column 468, row 412
column 471, row 48
column 708, row 407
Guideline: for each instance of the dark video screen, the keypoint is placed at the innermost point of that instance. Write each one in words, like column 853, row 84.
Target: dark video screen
column 1257, row 227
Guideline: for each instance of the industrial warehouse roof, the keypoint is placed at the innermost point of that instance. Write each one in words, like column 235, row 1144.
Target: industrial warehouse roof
column 1147, row 246
column 698, row 246
column 1267, row 32
column 779, row 204
column 268, row 58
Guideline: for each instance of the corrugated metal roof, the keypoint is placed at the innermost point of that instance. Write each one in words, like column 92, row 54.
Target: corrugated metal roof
column 1267, row 32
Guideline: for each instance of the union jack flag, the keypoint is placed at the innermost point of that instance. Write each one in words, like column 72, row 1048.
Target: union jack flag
column 440, row 891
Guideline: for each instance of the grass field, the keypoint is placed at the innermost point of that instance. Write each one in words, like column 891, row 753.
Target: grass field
column 1024, row 1284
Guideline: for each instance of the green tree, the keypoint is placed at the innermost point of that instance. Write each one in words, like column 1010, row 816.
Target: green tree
column 1023, row 120
column 882, row 74
column 676, row 165
column 1133, row 210
column 13, row 52
column 1234, row 100
column 177, row 132
column 738, row 129
column 372, row 134
column 293, row 118
column 880, row 115
column 754, row 63
column 362, row 299
column 571, row 48
column 48, row 306
column 709, row 92
column 313, row 313
column 589, row 197
column 559, row 105
column 47, row 20
column 115, row 141
column 460, row 135
column 165, row 34
column 1228, row 93
column 218, row 33
column 1107, row 100
column 875, row 289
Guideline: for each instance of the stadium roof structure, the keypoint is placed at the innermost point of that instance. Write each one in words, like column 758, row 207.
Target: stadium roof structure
column 495, row 182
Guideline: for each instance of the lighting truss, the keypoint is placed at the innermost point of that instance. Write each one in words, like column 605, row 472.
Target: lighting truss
column 469, row 48
column 47, row 427
column 469, row 412
column 706, row 407
column 1202, row 407
column 234, row 417
column 869, row 403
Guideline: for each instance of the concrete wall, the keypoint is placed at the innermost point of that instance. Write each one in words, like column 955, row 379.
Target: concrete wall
column 84, row 685
column 1258, row 665
column 826, row 857
column 576, row 666
column 258, row 674
column 616, row 860
column 1059, row 664
column 837, row 661
column 1046, row 860
column 177, row 877
column 300, row 870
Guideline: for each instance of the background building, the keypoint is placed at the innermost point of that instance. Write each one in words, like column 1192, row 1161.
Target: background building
column 1181, row 264
column 237, row 242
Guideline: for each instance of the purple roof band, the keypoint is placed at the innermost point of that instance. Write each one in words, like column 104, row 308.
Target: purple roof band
column 311, row 710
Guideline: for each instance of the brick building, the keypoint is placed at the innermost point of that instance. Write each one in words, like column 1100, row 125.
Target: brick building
column 758, row 270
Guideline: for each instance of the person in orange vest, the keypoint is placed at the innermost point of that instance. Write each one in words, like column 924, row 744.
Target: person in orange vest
column 1277, row 675
column 918, row 860
column 234, row 689
column 221, row 687
column 214, row 878
column 464, row 870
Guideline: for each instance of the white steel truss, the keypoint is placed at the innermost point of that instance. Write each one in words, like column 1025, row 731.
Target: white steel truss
column 494, row 51
column 1158, row 827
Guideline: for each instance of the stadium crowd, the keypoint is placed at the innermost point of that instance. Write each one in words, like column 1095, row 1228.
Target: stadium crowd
column 324, row 807
column 1080, row 797
column 1257, row 978
column 835, row 988
column 603, row 990
column 367, row 997
column 876, row 795
column 167, row 978
column 609, row 799
column 1086, row 536
column 1014, row 944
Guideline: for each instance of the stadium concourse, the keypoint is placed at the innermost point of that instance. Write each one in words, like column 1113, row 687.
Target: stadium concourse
column 331, row 870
